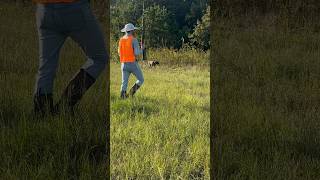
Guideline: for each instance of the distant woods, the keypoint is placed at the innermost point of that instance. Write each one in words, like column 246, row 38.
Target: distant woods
column 179, row 23
column 291, row 13
column 167, row 23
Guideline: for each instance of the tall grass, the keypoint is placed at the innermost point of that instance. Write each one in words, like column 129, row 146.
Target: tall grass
column 182, row 57
column 60, row 147
column 163, row 132
column 266, row 103
column 186, row 56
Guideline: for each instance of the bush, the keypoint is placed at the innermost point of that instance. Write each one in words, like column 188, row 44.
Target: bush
column 171, row 57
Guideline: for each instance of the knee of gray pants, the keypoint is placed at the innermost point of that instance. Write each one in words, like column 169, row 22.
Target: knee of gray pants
column 96, row 64
column 141, row 81
column 45, row 76
column 139, row 74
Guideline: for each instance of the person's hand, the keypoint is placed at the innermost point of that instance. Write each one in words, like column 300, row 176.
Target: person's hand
column 142, row 46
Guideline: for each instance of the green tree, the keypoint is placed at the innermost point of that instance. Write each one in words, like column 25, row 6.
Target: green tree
column 201, row 34
column 123, row 12
column 160, row 28
column 172, row 20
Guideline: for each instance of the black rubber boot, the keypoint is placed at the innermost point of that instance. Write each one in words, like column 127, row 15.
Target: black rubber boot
column 43, row 104
column 134, row 89
column 76, row 88
column 123, row 95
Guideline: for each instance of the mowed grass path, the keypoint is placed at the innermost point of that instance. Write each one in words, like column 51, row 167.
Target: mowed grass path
column 163, row 132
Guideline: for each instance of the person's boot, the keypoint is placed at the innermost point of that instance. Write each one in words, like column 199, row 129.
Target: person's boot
column 43, row 104
column 123, row 95
column 76, row 88
column 134, row 89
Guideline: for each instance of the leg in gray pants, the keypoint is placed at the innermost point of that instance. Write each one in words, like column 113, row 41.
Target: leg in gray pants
column 127, row 69
column 56, row 22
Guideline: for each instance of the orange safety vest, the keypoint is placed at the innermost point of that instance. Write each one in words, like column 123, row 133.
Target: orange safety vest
column 53, row 1
column 126, row 50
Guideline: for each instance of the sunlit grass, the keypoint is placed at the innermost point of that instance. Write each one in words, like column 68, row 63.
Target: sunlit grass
column 163, row 132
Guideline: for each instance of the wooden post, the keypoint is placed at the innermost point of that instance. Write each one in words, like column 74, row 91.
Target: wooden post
column 144, row 55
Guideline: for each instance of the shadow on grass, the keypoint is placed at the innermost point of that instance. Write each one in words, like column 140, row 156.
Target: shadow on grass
column 264, row 142
column 65, row 143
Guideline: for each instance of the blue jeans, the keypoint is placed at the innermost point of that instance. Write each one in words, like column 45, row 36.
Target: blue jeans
column 127, row 69
column 58, row 21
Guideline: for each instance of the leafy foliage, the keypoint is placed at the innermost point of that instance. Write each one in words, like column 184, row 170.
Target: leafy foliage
column 285, row 13
column 201, row 35
column 167, row 23
column 159, row 28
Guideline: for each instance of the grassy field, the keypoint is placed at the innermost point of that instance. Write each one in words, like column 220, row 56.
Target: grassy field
column 266, row 84
column 163, row 132
column 61, row 147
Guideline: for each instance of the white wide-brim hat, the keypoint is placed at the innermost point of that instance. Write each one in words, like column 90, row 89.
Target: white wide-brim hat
column 129, row 27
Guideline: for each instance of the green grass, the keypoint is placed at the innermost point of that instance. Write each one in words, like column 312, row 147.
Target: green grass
column 186, row 56
column 163, row 132
column 266, row 103
column 61, row 147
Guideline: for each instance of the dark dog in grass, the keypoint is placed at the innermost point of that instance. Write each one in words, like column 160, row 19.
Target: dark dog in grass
column 153, row 63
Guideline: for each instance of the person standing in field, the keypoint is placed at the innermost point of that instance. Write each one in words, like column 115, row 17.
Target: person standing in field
column 56, row 21
column 128, row 51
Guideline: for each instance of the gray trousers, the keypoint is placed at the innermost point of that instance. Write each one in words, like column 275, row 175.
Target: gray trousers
column 58, row 21
column 127, row 69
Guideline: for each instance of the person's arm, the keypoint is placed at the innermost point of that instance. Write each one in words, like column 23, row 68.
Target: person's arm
column 136, row 47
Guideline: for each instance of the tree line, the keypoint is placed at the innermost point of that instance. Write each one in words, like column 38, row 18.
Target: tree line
column 305, row 8
column 167, row 23
column 292, row 12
